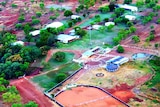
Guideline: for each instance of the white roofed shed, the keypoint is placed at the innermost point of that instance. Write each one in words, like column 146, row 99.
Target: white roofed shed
column 54, row 25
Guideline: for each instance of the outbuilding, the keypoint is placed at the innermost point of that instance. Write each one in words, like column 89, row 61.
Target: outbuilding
column 54, row 25
column 18, row 43
column 96, row 27
column 130, row 17
column 75, row 16
column 64, row 38
column 128, row 7
column 109, row 23
column 35, row 33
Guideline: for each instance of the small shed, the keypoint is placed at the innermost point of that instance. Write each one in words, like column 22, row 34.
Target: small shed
column 109, row 23
column 18, row 43
column 130, row 17
column 54, row 25
column 128, row 7
column 96, row 27
column 35, row 33
column 75, row 16
column 72, row 32
column 87, row 54
column 64, row 38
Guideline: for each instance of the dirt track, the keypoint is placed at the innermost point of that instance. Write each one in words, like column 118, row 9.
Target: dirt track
column 29, row 92
column 87, row 97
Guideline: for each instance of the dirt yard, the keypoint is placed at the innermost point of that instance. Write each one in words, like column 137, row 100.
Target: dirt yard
column 127, row 73
column 29, row 92
column 87, row 97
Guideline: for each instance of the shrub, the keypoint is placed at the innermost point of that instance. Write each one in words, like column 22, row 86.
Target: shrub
column 59, row 56
column 120, row 49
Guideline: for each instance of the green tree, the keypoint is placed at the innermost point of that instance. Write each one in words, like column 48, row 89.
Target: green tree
column 59, row 56
column 87, row 3
column 139, row 3
column 14, row 5
column 127, row 1
column 112, row 5
column 120, row 49
column 31, row 104
column 110, row 27
column 30, row 53
column 68, row 13
column 136, row 39
column 132, row 29
column 80, row 32
column 19, row 26
column 17, row 105
column 21, row 19
column 60, row 77
column 41, row 5
column 119, row 11
column 27, row 29
column 8, row 38
column 32, row 1
column 156, row 45
column 104, row 9
column 11, row 97
column 116, row 40
column 38, row 14
column 35, row 21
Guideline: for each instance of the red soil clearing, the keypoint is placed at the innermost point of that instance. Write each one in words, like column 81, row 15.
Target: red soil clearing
column 87, row 97
column 29, row 92
column 142, row 79
column 122, row 92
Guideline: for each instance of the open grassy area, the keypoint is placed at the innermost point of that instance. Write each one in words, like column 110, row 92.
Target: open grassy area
column 53, row 63
column 47, row 80
column 97, row 38
column 88, row 22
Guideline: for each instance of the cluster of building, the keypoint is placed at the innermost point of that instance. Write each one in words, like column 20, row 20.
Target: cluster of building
column 64, row 38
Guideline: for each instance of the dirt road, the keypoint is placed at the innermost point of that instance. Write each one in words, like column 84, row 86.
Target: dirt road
column 29, row 92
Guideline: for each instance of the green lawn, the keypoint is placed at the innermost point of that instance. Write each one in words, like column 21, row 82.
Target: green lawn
column 47, row 80
column 53, row 63
column 97, row 38
column 103, row 16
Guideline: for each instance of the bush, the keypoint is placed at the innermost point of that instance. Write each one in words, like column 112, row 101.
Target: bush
column 120, row 49
column 52, row 17
column 38, row 14
column 21, row 19
column 35, row 21
column 14, row 5
column 18, row 26
column 59, row 56
column 60, row 77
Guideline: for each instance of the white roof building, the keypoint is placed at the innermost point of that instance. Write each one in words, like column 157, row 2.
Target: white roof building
column 72, row 32
column 97, row 27
column 130, row 17
column 18, row 43
column 109, row 23
column 75, row 16
column 128, row 7
column 66, row 38
column 54, row 25
column 35, row 33
column 87, row 54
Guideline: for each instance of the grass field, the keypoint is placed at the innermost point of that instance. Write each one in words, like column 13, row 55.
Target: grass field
column 47, row 80
column 97, row 38
column 53, row 63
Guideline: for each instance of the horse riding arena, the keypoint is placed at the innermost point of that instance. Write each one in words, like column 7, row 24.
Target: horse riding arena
column 83, row 96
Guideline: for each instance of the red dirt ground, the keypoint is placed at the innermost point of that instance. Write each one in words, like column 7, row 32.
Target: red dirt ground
column 142, row 79
column 29, row 92
column 87, row 97
column 122, row 92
